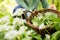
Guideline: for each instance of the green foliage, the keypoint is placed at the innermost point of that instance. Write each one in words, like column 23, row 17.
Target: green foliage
column 49, row 19
column 1, row 1
column 36, row 36
column 1, row 35
column 56, row 36
column 57, row 26
column 1, row 15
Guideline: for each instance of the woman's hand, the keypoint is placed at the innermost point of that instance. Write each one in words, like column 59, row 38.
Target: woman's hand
column 52, row 6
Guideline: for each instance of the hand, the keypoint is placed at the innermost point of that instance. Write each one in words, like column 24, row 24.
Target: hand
column 52, row 6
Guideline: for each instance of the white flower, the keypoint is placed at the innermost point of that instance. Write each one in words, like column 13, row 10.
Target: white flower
column 35, row 23
column 18, row 12
column 11, row 34
column 29, row 32
column 9, row 28
column 40, row 15
column 48, row 14
column 4, row 20
column 47, row 37
column 29, row 38
column 18, row 21
column 22, row 30
column 6, row 28
column 42, row 26
column 7, row 23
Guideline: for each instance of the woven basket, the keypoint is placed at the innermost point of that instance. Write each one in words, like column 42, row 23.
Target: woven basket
column 34, row 13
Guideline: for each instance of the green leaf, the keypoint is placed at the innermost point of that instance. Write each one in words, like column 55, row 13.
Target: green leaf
column 56, row 36
column 36, row 36
column 1, row 15
column 57, row 27
column 1, row 35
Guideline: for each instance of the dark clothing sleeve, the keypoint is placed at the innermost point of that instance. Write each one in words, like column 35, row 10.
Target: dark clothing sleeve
column 19, row 6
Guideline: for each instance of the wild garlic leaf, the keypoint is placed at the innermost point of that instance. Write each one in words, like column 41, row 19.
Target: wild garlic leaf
column 36, row 36
column 1, row 35
column 57, row 27
column 56, row 36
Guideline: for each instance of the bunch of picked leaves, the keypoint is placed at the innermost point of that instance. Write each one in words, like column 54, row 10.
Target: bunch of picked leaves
column 43, row 20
